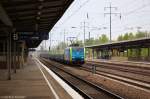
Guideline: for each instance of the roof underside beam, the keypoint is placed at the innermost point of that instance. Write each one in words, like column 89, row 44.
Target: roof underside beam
column 4, row 17
column 31, row 18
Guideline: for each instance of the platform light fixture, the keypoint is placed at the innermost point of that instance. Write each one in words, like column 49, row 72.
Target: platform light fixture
column 40, row 6
column 39, row 13
column 41, row 0
column 38, row 17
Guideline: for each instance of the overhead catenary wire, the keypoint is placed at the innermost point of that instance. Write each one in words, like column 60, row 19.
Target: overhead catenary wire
column 113, row 20
column 76, row 11
column 81, row 6
column 132, row 12
column 129, row 13
column 86, row 2
column 135, row 10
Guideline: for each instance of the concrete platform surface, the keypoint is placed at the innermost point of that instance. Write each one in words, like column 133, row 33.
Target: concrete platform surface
column 27, row 83
column 131, row 63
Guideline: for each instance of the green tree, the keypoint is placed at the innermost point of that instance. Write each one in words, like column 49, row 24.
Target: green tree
column 131, row 36
column 89, row 41
column 126, row 36
column 79, row 42
column 120, row 38
column 103, row 39
column 140, row 34
column 96, row 41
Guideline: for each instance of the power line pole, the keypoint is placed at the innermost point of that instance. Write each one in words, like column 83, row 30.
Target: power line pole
column 50, row 41
column 45, row 45
column 110, row 17
column 84, row 25
column 84, row 32
column 89, row 35
column 64, row 36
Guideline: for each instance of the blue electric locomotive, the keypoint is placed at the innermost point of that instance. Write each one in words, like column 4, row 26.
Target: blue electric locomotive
column 74, row 55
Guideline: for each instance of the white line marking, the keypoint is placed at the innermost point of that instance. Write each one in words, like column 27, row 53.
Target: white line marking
column 50, row 86
column 69, row 90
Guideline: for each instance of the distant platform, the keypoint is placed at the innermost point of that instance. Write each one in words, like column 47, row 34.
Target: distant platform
column 121, row 61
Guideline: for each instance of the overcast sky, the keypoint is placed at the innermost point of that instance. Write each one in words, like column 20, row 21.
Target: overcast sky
column 134, row 13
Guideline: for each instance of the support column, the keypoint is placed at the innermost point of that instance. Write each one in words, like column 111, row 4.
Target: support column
column 97, row 54
column 102, row 54
column 131, row 50
column 148, row 52
column 4, row 50
column 22, row 53
column 93, row 53
column 14, row 55
column 128, row 53
column 112, row 52
column 9, row 56
column 17, row 55
column 123, row 53
column 117, row 52
column 139, row 54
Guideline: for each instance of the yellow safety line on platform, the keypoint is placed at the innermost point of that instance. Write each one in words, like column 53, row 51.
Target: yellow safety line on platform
column 69, row 90
column 50, row 86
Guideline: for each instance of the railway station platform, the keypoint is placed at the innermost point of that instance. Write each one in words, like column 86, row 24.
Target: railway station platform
column 26, row 83
column 31, row 82
column 121, row 62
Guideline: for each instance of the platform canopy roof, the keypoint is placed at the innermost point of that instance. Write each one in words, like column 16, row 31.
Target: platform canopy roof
column 137, row 43
column 31, row 19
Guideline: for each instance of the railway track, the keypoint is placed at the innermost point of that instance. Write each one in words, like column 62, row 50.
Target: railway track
column 124, row 72
column 123, row 64
column 132, row 80
column 144, row 72
column 129, row 62
column 87, row 89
